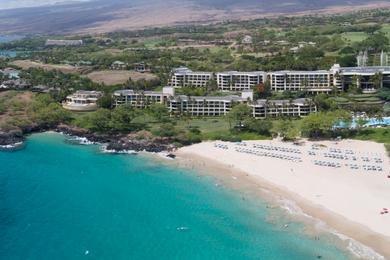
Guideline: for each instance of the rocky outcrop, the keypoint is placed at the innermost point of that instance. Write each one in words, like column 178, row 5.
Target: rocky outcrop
column 81, row 132
column 11, row 137
column 141, row 141
column 125, row 144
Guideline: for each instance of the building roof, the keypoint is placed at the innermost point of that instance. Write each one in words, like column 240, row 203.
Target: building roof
column 64, row 42
column 118, row 63
column 181, row 70
column 185, row 70
column 298, row 101
column 284, row 72
column 365, row 70
column 210, row 98
column 125, row 92
column 249, row 73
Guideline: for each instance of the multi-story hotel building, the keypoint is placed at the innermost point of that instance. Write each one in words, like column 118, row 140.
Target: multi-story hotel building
column 184, row 77
column 239, row 81
column 214, row 105
column 301, row 107
column 207, row 105
column 142, row 99
column 321, row 81
column 368, row 79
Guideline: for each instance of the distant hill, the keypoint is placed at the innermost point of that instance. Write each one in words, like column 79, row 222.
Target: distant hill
column 111, row 15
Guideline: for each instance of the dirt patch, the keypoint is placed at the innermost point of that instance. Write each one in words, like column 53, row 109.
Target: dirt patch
column 26, row 64
column 116, row 77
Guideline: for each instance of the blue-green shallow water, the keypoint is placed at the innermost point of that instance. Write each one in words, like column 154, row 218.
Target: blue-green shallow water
column 59, row 201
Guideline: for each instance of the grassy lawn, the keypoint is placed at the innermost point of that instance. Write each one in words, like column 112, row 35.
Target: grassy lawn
column 216, row 49
column 386, row 109
column 386, row 29
column 213, row 128
column 354, row 36
column 205, row 125
column 380, row 135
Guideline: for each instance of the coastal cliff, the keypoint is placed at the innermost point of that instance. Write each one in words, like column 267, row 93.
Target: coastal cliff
column 141, row 141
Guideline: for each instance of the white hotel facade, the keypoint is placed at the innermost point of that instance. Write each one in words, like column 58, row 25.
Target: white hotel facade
column 210, row 106
column 142, row 99
column 207, row 105
column 300, row 107
column 240, row 81
column 184, row 77
column 321, row 81
column 313, row 82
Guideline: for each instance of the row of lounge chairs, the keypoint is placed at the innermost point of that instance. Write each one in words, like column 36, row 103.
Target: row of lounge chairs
column 221, row 146
column 365, row 167
column 338, row 156
column 372, row 168
column 268, row 154
column 337, row 150
column 327, row 164
column 277, row 148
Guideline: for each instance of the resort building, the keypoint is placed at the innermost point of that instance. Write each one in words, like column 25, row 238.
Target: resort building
column 368, row 79
column 239, row 81
column 247, row 39
column 184, row 77
column 118, row 65
column 301, row 107
column 207, row 105
column 321, row 81
column 143, row 99
column 11, row 73
column 82, row 100
column 142, row 67
column 63, row 42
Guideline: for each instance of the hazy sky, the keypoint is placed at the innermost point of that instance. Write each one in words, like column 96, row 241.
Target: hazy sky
column 7, row 4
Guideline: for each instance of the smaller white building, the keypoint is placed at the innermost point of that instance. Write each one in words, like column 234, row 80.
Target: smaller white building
column 82, row 100
column 118, row 65
column 247, row 39
column 142, row 67
column 11, row 73
column 50, row 42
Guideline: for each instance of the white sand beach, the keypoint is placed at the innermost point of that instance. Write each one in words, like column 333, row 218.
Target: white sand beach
column 352, row 201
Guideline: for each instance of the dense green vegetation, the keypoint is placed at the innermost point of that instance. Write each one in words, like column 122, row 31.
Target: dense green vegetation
column 321, row 41
column 337, row 39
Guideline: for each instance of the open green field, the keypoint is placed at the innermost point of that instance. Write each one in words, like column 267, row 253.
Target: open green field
column 386, row 109
column 386, row 29
column 380, row 135
column 354, row 36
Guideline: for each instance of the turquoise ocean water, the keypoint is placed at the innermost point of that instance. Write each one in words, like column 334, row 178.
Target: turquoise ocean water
column 63, row 201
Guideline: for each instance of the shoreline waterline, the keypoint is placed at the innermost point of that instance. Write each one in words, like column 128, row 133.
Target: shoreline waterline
column 355, row 236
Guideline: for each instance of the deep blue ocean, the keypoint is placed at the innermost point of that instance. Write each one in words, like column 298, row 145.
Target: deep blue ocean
column 64, row 201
